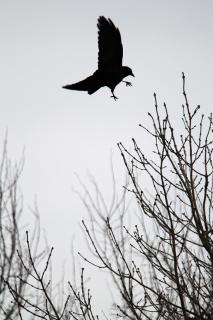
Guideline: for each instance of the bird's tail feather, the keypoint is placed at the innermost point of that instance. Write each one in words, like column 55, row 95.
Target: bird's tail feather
column 89, row 84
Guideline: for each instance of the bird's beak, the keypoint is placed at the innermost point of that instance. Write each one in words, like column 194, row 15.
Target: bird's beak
column 133, row 75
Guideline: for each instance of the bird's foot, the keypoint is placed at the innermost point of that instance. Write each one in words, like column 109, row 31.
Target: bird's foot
column 128, row 84
column 114, row 97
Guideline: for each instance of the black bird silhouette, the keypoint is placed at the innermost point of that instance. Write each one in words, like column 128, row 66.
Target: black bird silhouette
column 110, row 70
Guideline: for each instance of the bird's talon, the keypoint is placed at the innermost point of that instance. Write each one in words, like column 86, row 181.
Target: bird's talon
column 128, row 84
column 114, row 97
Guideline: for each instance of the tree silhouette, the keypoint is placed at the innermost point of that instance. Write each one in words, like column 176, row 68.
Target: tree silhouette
column 25, row 293
column 170, row 273
column 160, row 263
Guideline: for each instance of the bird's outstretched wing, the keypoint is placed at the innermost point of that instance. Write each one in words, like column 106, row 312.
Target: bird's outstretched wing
column 110, row 46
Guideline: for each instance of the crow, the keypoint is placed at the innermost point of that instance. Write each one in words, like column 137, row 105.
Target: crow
column 110, row 71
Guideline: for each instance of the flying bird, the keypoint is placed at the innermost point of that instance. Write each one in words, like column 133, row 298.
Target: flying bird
column 110, row 71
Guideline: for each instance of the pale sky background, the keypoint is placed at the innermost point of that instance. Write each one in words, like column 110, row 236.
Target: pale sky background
column 47, row 44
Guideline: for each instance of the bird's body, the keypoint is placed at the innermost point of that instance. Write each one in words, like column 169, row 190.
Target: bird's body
column 110, row 70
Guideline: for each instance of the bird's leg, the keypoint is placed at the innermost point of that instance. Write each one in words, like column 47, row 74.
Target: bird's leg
column 128, row 83
column 113, row 96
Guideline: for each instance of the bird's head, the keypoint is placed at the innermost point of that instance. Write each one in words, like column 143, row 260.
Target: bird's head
column 127, row 72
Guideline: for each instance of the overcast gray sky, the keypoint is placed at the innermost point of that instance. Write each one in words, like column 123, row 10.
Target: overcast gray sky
column 47, row 44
